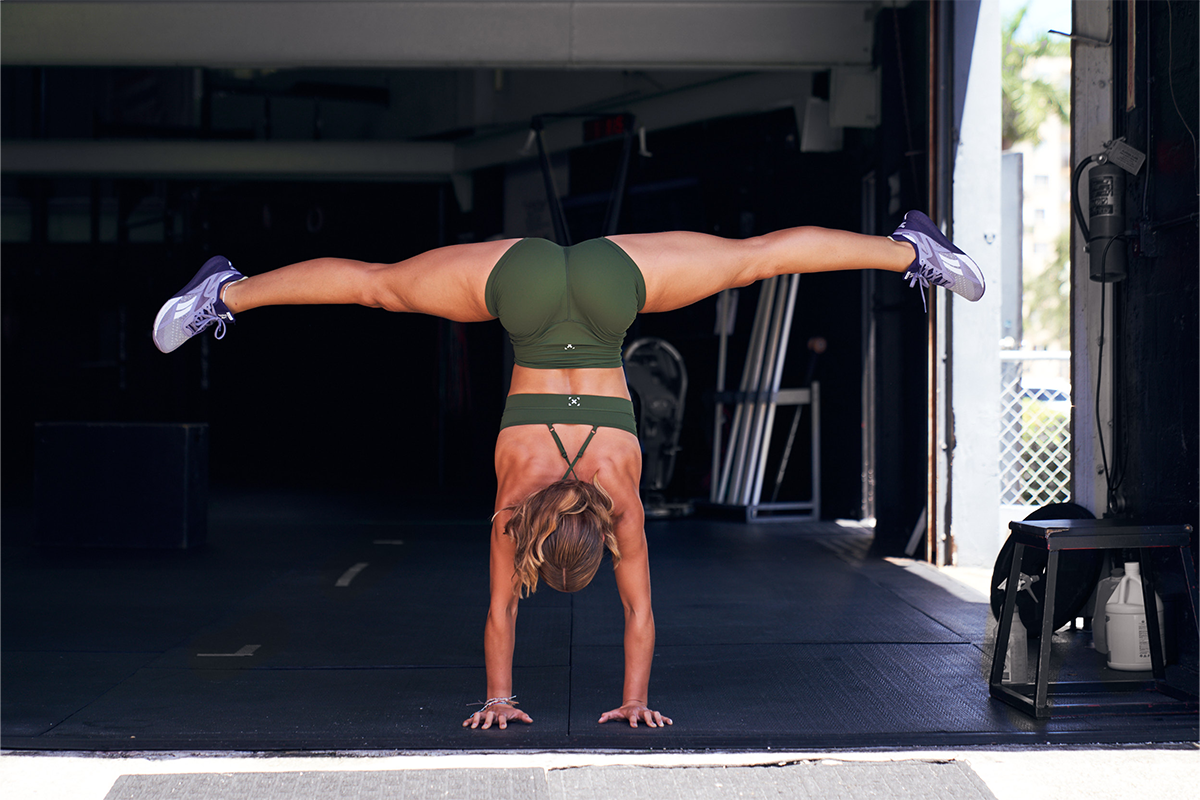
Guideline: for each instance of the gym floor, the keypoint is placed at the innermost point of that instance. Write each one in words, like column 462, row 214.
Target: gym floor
column 353, row 623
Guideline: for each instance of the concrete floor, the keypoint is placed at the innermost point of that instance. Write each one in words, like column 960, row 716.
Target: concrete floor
column 1051, row 773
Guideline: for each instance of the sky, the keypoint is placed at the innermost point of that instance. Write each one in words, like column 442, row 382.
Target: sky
column 1041, row 17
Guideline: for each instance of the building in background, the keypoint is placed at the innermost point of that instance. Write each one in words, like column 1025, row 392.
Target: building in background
column 1035, row 451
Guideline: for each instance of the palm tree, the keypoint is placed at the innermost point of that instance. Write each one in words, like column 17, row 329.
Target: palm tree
column 1026, row 102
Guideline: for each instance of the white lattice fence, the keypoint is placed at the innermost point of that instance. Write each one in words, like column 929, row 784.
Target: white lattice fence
column 1035, row 428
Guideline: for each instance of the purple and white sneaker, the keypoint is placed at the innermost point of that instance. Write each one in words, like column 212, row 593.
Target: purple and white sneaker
column 196, row 306
column 938, row 261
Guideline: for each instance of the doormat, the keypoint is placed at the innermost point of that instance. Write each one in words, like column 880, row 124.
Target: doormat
column 902, row 780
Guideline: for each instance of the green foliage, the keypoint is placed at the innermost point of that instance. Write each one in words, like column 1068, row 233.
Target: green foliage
column 1047, row 299
column 1026, row 102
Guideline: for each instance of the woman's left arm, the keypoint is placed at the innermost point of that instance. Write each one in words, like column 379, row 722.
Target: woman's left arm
column 633, row 583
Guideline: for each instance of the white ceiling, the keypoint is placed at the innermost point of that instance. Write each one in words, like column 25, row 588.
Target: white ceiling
column 726, row 34
column 483, row 67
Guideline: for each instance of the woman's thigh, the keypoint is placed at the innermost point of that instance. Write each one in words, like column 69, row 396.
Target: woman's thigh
column 448, row 282
column 682, row 267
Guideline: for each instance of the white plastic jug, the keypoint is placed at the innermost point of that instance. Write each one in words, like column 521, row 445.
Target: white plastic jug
column 1104, row 590
column 1125, row 618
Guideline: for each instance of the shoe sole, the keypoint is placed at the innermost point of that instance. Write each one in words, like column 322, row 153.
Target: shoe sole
column 162, row 312
column 977, row 274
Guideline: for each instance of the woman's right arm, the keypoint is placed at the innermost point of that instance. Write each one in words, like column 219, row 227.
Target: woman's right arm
column 500, row 634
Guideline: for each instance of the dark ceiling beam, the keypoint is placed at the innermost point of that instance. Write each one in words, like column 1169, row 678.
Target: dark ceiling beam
column 385, row 160
column 245, row 160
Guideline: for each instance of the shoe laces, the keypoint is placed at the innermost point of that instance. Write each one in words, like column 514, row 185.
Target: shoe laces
column 924, row 274
column 205, row 317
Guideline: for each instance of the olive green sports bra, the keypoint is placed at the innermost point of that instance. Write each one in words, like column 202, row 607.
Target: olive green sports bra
column 566, row 307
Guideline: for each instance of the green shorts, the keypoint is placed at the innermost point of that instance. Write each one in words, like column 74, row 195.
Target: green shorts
column 566, row 307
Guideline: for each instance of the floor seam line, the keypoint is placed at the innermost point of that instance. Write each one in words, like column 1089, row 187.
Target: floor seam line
column 570, row 661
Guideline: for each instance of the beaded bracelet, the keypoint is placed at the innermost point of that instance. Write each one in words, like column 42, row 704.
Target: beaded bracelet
column 495, row 701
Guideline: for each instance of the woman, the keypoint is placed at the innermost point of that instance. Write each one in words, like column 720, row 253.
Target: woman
column 567, row 458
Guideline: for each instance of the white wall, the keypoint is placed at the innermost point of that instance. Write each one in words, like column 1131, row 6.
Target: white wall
column 1091, row 126
column 975, row 327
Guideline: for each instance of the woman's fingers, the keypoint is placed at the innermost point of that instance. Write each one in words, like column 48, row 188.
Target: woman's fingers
column 632, row 714
column 479, row 717
column 660, row 720
column 484, row 720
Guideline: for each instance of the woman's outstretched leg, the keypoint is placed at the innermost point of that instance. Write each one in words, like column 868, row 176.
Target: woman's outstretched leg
column 447, row 282
column 682, row 268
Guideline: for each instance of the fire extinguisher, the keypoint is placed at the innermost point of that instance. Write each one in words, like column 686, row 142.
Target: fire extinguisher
column 1105, row 224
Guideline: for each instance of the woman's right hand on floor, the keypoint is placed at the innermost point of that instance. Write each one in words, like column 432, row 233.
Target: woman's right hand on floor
column 500, row 713
column 634, row 711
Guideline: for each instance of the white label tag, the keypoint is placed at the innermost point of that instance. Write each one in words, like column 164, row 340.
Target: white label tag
column 1126, row 157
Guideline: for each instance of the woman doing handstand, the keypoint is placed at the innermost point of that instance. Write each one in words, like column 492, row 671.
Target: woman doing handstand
column 568, row 463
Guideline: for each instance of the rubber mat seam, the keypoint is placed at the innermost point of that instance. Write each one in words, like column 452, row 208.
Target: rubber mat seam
column 570, row 659
column 921, row 611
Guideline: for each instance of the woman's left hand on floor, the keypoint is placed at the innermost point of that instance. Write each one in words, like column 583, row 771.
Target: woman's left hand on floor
column 500, row 713
column 634, row 712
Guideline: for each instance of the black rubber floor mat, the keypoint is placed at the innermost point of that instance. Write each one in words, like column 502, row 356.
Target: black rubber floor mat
column 296, row 627
column 288, row 634
column 339, row 709
column 789, row 595
column 39, row 690
column 795, row 696
column 695, row 616
column 117, row 601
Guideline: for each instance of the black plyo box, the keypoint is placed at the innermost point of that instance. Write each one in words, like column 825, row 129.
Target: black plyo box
column 114, row 484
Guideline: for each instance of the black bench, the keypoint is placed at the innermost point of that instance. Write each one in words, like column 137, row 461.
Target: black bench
column 1090, row 534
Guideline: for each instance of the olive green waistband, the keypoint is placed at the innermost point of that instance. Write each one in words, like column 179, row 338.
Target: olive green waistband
column 569, row 409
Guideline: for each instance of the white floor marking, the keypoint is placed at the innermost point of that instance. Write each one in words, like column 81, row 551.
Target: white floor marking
column 389, row 541
column 248, row 650
column 351, row 574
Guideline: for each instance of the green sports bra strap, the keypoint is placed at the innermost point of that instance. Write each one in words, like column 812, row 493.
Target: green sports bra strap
column 563, row 451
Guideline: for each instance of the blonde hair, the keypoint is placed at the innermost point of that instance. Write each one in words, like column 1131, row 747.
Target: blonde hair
column 560, row 533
